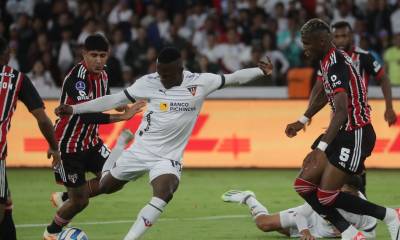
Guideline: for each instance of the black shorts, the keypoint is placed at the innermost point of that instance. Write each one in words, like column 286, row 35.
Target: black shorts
column 349, row 150
column 4, row 191
column 74, row 166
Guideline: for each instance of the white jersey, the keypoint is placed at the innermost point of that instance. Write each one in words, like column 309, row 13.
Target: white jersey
column 171, row 113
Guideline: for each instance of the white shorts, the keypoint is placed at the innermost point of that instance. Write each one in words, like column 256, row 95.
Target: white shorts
column 287, row 218
column 132, row 165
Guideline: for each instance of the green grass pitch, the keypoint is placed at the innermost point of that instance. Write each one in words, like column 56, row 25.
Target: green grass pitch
column 196, row 211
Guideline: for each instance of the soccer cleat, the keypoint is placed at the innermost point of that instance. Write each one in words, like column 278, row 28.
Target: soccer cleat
column 125, row 137
column 237, row 196
column 49, row 236
column 56, row 199
column 358, row 236
column 394, row 226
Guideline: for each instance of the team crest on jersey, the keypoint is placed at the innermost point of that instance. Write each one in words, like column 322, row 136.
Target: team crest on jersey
column 73, row 177
column 164, row 106
column 192, row 89
column 80, row 85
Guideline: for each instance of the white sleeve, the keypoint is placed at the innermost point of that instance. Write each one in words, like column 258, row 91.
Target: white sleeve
column 303, row 212
column 243, row 76
column 102, row 104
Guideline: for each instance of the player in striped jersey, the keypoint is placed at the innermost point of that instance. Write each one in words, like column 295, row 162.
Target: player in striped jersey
column 367, row 66
column 348, row 141
column 81, row 148
column 14, row 86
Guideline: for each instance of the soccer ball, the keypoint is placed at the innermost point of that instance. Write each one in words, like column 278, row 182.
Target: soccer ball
column 72, row 234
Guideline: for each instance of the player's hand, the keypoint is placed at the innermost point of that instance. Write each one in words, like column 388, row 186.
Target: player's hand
column 136, row 108
column 292, row 128
column 55, row 154
column 122, row 108
column 266, row 66
column 63, row 110
column 306, row 235
column 390, row 116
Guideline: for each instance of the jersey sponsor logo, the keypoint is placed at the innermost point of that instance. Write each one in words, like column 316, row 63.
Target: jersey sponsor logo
column 82, row 96
column 163, row 106
column 6, row 74
column 192, row 90
column 73, row 177
column 335, row 81
column 6, row 85
column 80, row 85
column 181, row 107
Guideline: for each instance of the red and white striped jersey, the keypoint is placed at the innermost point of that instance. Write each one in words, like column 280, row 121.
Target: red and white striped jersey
column 366, row 64
column 14, row 85
column 340, row 75
column 72, row 133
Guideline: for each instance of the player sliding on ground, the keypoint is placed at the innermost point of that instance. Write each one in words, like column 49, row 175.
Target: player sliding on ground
column 301, row 221
column 175, row 98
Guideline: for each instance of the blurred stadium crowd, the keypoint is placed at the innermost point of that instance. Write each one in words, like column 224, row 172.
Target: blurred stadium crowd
column 214, row 35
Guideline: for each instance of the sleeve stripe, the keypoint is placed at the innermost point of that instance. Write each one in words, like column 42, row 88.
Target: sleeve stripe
column 222, row 81
column 129, row 96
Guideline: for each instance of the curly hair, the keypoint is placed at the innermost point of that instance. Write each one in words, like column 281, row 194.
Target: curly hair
column 314, row 25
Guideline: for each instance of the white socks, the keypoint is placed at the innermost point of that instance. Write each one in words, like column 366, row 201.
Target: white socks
column 256, row 208
column 110, row 162
column 349, row 233
column 390, row 215
column 122, row 140
column 146, row 218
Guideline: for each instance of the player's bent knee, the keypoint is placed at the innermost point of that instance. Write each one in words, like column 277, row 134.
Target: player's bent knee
column 327, row 197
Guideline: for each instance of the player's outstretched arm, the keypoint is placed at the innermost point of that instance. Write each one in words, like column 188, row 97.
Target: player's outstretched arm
column 246, row 75
column 101, row 104
column 390, row 114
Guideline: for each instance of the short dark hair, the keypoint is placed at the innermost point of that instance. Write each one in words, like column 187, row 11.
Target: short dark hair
column 314, row 25
column 342, row 24
column 168, row 55
column 96, row 42
column 3, row 45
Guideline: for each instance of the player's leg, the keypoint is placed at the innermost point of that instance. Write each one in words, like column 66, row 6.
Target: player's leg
column 72, row 173
column 259, row 212
column 78, row 200
column 306, row 186
column 103, row 162
column 164, row 178
column 348, row 158
column 7, row 227
column 363, row 176
column 248, row 198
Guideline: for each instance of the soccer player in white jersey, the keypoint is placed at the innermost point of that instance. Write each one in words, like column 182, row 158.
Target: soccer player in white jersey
column 174, row 97
column 302, row 221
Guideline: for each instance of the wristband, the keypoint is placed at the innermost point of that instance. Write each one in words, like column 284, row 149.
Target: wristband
column 322, row 146
column 303, row 119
